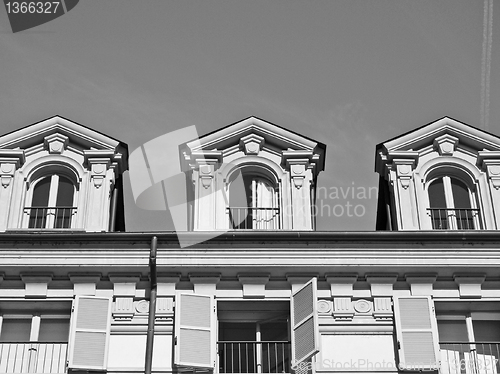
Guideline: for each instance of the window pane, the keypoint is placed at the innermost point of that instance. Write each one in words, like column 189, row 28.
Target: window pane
column 41, row 193
column 54, row 330
column 452, row 331
column 15, row 330
column 461, row 197
column 486, row 331
column 65, row 192
column 63, row 213
column 436, row 194
column 437, row 201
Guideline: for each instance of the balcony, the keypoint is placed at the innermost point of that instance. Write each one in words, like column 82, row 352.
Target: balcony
column 20, row 358
column 454, row 219
column 254, row 357
column 470, row 358
column 49, row 217
column 244, row 218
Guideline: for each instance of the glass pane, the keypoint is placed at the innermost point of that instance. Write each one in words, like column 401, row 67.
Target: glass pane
column 461, row 198
column 54, row 330
column 41, row 193
column 452, row 331
column 486, row 331
column 64, row 203
column 65, row 192
column 436, row 194
column 437, row 201
column 16, row 330
column 39, row 203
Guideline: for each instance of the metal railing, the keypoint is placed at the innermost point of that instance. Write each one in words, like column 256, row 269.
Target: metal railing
column 244, row 218
column 254, row 357
column 49, row 217
column 470, row 358
column 454, row 219
column 33, row 357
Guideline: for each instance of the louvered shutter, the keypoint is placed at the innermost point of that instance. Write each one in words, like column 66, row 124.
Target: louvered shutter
column 194, row 331
column 89, row 337
column 304, row 317
column 416, row 329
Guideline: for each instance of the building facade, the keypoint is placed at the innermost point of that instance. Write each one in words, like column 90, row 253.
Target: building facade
column 269, row 293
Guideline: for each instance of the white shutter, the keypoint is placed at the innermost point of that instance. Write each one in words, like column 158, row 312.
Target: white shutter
column 416, row 329
column 89, row 337
column 305, row 335
column 194, row 331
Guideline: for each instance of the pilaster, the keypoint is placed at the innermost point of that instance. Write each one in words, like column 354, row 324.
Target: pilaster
column 10, row 161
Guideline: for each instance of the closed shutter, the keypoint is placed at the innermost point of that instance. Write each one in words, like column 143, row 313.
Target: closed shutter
column 304, row 316
column 416, row 329
column 194, row 331
column 90, row 326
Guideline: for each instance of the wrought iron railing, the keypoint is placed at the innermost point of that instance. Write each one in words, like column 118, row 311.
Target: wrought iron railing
column 254, row 357
column 243, row 218
column 470, row 358
column 33, row 357
column 59, row 217
column 454, row 219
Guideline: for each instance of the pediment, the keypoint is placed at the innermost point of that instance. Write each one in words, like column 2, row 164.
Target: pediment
column 252, row 135
column 444, row 136
column 57, row 132
column 446, row 130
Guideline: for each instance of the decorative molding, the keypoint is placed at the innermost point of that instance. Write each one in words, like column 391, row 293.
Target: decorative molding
column 254, row 285
column 324, row 306
column 124, row 285
column 381, row 284
column 252, row 144
column 298, row 280
column 36, row 285
column 205, row 283
column 382, row 308
column 421, row 284
column 84, row 283
column 55, row 143
column 341, row 284
column 469, row 285
column 123, row 309
column 342, row 308
column 164, row 308
column 362, row 306
column 445, row 144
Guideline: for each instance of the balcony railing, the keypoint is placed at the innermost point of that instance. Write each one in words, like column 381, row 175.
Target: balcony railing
column 50, row 217
column 454, row 219
column 470, row 358
column 20, row 358
column 243, row 218
column 254, row 357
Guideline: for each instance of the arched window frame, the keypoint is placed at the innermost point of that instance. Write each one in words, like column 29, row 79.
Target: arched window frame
column 452, row 217
column 54, row 169
column 254, row 217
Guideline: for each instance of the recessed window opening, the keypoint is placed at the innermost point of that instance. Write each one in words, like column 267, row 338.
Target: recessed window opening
column 451, row 205
column 253, row 202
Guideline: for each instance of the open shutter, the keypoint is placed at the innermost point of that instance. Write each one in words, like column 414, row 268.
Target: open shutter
column 305, row 335
column 194, row 331
column 90, row 326
column 416, row 329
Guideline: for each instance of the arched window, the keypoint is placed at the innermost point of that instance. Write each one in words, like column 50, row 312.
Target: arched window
column 452, row 205
column 52, row 203
column 253, row 203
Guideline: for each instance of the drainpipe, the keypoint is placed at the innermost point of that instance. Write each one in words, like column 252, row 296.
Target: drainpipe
column 152, row 306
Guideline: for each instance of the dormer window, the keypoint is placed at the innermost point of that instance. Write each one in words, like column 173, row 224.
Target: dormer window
column 452, row 205
column 253, row 205
column 52, row 203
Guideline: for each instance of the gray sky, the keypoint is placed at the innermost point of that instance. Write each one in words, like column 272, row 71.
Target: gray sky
column 350, row 74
